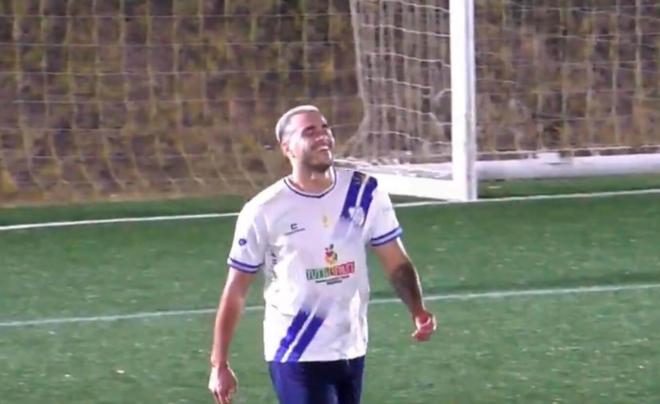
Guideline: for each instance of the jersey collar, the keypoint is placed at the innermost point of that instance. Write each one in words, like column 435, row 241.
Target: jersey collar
column 321, row 194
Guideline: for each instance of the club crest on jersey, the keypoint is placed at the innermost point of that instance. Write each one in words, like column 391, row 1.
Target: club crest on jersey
column 357, row 215
column 333, row 273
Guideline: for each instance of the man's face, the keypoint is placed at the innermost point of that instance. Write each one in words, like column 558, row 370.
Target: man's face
column 309, row 141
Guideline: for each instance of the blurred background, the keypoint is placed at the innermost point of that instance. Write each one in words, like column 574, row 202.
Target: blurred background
column 149, row 99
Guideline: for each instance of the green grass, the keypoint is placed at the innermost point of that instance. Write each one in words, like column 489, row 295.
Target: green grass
column 585, row 348
column 85, row 211
column 494, row 189
column 231, row 203
column 595, row 347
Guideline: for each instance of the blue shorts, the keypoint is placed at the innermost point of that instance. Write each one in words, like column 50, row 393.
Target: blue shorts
column 334, row 382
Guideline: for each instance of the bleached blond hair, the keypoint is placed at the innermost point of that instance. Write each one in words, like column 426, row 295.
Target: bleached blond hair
column 283, row 122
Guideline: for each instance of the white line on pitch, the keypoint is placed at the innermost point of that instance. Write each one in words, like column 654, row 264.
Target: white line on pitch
column 27, row 226
column 582, row 195
column 115, row 220
column 500, row 294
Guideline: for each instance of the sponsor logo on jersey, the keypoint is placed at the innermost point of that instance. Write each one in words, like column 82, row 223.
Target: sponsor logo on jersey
column 334, row 272
column 330, row 255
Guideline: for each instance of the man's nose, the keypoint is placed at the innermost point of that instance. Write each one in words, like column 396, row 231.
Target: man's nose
column 322, row 133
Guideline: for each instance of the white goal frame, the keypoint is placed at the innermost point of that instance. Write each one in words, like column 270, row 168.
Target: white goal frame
column 458, row 179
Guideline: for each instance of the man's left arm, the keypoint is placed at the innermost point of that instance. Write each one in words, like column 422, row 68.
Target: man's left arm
column 406, row 283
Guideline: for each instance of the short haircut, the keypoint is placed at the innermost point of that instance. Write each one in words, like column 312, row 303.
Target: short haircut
column 283, row 122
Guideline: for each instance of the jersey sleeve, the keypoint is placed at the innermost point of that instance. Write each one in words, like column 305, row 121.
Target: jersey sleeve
column 248, row 248
column 384, row 225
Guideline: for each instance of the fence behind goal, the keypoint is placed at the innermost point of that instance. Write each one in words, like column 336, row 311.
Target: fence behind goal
column 106, row 99
column 130, row 99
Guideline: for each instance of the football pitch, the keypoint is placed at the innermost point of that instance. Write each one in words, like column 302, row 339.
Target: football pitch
column 548, row 301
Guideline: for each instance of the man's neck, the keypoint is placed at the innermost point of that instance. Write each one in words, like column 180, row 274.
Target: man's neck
column 312, row 181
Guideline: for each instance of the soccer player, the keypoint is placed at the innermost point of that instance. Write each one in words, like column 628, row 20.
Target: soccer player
column 308, row 234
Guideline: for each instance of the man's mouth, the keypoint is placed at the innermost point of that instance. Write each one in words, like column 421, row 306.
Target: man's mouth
column 322, row 147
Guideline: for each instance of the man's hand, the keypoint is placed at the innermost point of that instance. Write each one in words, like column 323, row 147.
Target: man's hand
column 222, row 381
column 222, row 384
column 406, row 283
column 425, row 325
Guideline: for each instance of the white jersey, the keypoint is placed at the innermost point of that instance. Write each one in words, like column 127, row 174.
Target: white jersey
column 312, row 250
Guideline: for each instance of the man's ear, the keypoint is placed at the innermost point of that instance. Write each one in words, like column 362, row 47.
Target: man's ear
column 286, row 149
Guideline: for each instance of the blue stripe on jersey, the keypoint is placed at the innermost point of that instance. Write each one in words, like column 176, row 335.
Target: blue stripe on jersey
column 291, row 333
column 242, row 266
column 305, row 339
column 387, row 237
column 351, row 195
column 368, row 195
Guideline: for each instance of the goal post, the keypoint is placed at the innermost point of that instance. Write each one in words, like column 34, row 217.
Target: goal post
column 109, row 100
column 456, row 180
column 463, row 112
column 460, row 91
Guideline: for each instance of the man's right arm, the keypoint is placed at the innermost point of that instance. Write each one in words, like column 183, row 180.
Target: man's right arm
column 245, row 259
column 232, row 302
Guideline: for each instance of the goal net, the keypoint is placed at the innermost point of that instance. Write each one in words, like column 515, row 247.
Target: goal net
column 134, row 99
column 559, row 88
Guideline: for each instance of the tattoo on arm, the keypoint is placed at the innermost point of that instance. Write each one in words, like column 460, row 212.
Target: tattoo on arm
column 406, row 283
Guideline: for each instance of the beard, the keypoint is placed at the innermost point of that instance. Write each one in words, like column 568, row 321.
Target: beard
column 316, row 166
